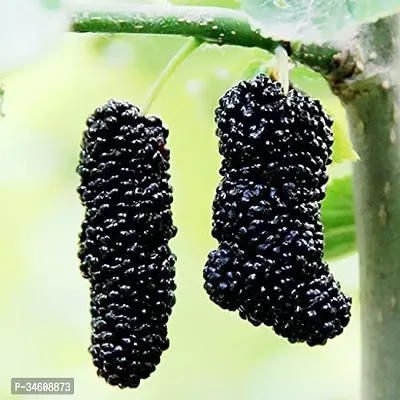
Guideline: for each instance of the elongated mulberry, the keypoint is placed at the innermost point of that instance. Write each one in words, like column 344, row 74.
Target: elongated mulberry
column 266, row 214
column 124, row 238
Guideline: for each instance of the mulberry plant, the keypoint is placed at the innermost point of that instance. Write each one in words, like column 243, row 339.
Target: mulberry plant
column 124, row 239
column 270, row 265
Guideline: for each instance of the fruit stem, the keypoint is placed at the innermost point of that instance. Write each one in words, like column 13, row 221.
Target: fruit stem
column 173, row 64
column 282, row 67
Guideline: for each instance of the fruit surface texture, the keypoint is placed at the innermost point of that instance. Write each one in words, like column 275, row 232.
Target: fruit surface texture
column 266, row 214
column 123, row 246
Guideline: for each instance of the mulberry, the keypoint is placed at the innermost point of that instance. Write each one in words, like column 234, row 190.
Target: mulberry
column 266, row 214
column 123, row 248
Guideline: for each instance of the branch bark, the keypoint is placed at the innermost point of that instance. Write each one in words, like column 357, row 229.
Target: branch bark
column 372, row 103
column 222, row 26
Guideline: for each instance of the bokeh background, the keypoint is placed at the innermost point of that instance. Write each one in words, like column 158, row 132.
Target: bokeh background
column 45, row 329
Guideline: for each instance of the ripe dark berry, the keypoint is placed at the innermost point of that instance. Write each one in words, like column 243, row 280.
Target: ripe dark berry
column 124, row 239
column 266, row 214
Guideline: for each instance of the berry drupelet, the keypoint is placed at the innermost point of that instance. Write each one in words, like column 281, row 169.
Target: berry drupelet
column 124, row 237
column 266, row 214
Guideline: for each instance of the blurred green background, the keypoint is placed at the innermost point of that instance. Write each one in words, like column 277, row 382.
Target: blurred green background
column 214, row 355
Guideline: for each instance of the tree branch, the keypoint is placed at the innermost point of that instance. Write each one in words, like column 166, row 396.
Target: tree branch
column 222, row 26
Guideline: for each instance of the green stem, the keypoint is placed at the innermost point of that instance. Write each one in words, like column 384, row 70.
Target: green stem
column 222, row 26
column 174, row 63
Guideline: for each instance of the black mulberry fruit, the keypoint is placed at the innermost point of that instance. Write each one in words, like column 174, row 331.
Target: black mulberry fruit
column 266, row 214
column 123, row 248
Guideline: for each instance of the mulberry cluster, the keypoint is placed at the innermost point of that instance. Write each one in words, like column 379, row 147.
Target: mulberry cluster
column 124, row 238
column 266, row 214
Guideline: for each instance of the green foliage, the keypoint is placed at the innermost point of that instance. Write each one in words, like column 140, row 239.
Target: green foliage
column 318, row 20
column 338, row 219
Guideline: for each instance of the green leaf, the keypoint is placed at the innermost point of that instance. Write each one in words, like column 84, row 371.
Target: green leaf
column 338, row 219
column 317, row 20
